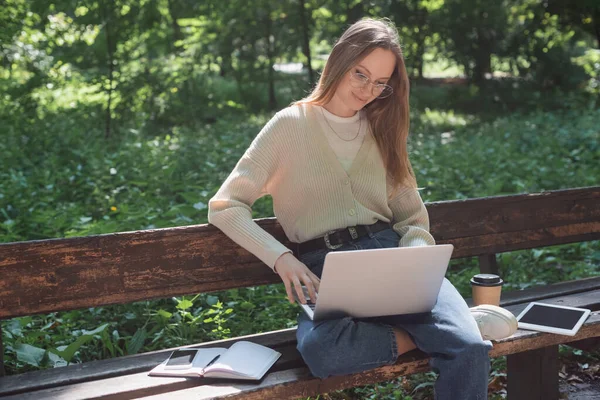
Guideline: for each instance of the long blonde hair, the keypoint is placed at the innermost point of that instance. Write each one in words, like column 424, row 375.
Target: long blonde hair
column 388, row 117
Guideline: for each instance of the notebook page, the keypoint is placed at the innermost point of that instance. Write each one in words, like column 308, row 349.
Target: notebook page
column 205, row 356
column 243, row 360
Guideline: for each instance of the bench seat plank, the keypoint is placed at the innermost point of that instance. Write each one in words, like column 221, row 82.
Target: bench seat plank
column 287, row 384
column 283, row 341
column 589, row 300
column 118, row 366
column 548, row 291
column 144, row 362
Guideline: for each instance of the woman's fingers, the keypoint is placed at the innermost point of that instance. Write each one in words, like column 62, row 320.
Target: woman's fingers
column 288, row 289
column 294, row 275
column 315, row 281
column 311, row 288
column 298, row 288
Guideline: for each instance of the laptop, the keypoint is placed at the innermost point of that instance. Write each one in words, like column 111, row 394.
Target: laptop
column 379, row 282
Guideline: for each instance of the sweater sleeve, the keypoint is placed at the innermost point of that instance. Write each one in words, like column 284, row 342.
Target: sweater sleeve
column 230, row 208
column 410, row 219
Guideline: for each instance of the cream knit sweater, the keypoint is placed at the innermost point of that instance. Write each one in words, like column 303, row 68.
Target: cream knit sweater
column 291, row 160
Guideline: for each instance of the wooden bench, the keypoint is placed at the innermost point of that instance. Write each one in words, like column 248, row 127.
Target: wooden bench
column 64, row 274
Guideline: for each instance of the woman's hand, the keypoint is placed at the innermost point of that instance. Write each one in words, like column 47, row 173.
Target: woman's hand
column 293, row 272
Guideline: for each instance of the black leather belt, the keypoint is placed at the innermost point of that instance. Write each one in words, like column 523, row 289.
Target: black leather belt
column 336, row 239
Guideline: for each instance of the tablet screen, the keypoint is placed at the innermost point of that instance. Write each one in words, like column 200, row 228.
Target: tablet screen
column 551, row 316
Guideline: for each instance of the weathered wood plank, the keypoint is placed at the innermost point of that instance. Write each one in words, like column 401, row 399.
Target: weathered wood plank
column 524, row 340
column 133, row 364
column 64, row 274
column 498, row 214
column 528, row 239
column 283, row 340
column 289, row 384
column 589, row 300
column 533, row 375
column 547, row 291
column 42, row 276
column 566, row 293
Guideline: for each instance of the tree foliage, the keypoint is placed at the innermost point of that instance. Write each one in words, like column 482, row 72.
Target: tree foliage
column 153, row 62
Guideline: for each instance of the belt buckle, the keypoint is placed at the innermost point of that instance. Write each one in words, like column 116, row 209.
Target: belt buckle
column 353, row 233
column 328, row 243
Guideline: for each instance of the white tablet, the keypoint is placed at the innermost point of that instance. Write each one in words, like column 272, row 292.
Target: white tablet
column 553, row 319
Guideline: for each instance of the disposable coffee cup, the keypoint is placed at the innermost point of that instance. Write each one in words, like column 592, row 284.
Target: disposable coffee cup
column 486, row 289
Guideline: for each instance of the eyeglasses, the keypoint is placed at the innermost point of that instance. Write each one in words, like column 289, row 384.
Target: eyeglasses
column 379, row 90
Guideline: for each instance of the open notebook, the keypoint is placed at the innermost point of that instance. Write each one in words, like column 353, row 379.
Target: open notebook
column 243, row 360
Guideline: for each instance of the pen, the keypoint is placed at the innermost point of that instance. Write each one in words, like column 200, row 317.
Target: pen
column 212, row 361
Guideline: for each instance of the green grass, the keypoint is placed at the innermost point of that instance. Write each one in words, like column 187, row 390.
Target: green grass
column 60, row 178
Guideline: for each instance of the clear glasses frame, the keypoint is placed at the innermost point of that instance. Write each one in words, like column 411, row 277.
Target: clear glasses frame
column 379, row 90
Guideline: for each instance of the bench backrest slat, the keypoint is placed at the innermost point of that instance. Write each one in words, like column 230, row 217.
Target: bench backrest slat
column 64, row 274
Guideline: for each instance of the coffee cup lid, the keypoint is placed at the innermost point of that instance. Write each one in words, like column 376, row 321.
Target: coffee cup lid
column 486, row 280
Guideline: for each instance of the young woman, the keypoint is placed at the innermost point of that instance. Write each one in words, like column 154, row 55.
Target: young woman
column 337, row 168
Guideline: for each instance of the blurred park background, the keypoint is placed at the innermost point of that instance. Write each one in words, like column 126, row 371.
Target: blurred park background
column 126, row 115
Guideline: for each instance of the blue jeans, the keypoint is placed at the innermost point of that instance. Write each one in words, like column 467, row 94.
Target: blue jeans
column 448, row 334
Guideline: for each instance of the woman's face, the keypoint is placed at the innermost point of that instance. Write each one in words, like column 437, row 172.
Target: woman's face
column 378, row 66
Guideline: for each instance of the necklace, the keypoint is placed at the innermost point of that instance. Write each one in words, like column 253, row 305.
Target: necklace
column 336, row 134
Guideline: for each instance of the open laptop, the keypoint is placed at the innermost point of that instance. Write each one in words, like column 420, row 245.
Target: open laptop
column 379, row 282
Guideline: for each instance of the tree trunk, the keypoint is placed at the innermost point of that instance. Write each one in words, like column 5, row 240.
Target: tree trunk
column 483, row 65
column 306, row 42
column 6, row 64
column 355, row 13
column 468, row 69
column 596, row 18
column 225, row 65
column 150, row 99
column 270, row 56
column 176, row 28
column 109, row 49
column 483, row 56
column 419, row 57
column 423, row 16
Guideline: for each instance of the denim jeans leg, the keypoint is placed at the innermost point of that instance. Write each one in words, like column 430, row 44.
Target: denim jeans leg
column 449, row 334
column 345, row 345
column 451, row 337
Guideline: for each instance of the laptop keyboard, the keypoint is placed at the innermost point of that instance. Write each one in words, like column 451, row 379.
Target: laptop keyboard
column 309, row 303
